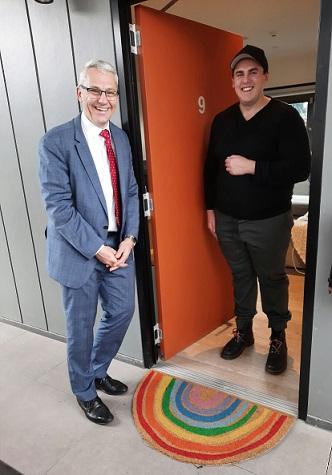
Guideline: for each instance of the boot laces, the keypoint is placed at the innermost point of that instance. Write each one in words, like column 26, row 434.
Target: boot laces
column 237, row 335
column 276, row 346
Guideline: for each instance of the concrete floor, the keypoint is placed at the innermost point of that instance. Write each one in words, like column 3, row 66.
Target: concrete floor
column 43, row 431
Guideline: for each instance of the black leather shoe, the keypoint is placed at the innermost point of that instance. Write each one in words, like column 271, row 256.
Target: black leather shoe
column 96, row 411
column 276, row 362
column 235, row 347
column 111, row 386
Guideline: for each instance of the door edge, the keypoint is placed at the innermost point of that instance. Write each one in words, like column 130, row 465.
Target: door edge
column 318, row 137
column 121, row 17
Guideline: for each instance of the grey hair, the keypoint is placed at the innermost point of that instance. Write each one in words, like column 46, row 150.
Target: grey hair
column 101, row 66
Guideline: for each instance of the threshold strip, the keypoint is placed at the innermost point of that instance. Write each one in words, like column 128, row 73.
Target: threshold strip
column 234, row 389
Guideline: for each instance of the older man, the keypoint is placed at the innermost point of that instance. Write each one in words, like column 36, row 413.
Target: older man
column 91, row 199
column 258, row 149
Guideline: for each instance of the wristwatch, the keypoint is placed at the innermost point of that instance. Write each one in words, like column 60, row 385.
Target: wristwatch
column 133, row 239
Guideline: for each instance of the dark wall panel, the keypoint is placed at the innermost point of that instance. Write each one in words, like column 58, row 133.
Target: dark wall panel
column 52, row 42
column 16, row 220
column 9, row 307
column 92, row 31
column 28, row 126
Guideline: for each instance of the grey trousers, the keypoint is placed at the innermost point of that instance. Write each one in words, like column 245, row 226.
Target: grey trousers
column 89, row 352
column 256, row 250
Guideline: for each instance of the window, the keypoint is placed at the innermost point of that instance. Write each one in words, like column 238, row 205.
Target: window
column 302, row 109
column 301, row 97
column 304, row 104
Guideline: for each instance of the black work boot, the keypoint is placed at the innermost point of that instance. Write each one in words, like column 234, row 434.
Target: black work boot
column 276, row 362
column 241, row 339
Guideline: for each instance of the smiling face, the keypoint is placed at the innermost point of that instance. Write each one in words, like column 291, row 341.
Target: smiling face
column 98, row 109
column 249, row 81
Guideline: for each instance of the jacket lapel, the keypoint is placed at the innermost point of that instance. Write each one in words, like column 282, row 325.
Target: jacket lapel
column 87, row 161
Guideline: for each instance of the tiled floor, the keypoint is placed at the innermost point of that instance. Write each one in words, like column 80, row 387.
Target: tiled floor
column 43, row 431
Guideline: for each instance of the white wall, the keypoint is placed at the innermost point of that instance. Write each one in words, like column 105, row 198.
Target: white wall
column 289, row 70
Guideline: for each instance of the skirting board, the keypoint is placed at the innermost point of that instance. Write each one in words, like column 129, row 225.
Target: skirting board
column 315, row 421
column 53, row 336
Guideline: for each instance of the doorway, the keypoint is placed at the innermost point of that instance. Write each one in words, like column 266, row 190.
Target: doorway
column 202, row 356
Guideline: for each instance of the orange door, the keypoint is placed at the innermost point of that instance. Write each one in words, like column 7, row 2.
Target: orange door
column 185, row 81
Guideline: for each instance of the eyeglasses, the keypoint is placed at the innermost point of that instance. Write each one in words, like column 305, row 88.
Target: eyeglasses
column 96, row 92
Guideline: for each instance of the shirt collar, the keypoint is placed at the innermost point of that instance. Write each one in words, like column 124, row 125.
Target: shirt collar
column 89, row 128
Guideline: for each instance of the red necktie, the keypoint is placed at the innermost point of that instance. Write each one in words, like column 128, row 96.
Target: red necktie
column 114, row 175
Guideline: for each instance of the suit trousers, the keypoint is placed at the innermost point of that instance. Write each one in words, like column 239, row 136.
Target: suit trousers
column 90, row 353
column 256, row 250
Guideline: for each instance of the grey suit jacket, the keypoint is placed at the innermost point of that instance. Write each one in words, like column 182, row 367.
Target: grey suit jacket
column 75, row 203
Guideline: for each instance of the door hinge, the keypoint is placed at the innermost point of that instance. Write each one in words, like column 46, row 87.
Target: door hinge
column 135, row 38
column 147, row 204
column 158, row 334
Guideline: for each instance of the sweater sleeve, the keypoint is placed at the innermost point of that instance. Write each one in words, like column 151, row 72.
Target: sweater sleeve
column 211, row 170
column 293, row 151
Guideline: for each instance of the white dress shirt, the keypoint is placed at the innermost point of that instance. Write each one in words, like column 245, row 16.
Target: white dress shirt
column 98, row 151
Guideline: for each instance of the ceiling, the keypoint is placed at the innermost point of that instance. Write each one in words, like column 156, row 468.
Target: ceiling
column 283, row 28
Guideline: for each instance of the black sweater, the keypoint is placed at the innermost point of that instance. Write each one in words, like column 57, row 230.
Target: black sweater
column 276, row 139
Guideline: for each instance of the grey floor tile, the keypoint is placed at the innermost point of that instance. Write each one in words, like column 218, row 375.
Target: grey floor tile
column 126, row 372
column 57, row 378
column 228, row 469
column 11, row 384
column 38, row 427
column 8, row 332
column 305, row 450
column 120, row 450
column 30, row 355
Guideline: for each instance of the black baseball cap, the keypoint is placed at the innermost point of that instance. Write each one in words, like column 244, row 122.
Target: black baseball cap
column 251, row 52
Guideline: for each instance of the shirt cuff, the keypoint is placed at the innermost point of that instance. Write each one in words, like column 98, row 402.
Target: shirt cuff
column 101, row 247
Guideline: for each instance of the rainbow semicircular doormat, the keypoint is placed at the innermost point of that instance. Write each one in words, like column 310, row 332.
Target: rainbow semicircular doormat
column 197, row 424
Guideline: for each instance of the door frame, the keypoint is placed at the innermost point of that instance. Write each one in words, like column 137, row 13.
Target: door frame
column 318, row 138
column 129, row 109
column 121, row 14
